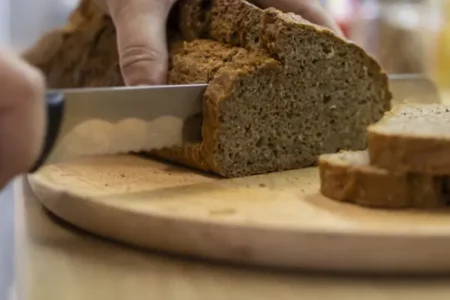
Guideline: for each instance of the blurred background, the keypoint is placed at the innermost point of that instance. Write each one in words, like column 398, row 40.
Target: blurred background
column 406, row 36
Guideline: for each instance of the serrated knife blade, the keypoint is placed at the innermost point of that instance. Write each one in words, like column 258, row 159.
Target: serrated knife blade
column 95, row 121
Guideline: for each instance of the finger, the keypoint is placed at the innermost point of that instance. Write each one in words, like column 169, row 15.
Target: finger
column 21, row 116
column 310, row 10
column 141, row 37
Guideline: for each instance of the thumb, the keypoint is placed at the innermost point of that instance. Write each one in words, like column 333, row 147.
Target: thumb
column 22, row 114
column 141, row 38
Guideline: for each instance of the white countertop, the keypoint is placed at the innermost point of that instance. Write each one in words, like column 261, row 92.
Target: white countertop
column 6, row 242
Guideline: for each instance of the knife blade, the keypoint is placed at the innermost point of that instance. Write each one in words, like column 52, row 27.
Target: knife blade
column 92, row 121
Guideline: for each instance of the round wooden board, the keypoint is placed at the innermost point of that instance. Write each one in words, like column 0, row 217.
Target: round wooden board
column 277, row 220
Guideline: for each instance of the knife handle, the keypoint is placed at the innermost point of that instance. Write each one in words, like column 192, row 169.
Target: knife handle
column 54, row 102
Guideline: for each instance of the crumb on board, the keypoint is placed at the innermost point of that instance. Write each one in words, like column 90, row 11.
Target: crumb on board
column 225, row 211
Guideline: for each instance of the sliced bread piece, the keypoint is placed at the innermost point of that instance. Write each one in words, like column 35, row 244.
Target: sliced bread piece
column 348, row 177
column 281, row 90
column 412, row 138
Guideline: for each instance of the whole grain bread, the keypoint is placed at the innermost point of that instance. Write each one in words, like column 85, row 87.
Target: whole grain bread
column 412, row 138
column 281, row 90
column 349, row 177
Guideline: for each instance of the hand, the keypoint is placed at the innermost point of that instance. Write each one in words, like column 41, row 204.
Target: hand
column 141, row 38
column 22, row 119
column 141, row 32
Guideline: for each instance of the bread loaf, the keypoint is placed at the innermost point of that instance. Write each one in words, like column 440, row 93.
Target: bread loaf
column 281, row 90
column 412, row 138
column 349, row 177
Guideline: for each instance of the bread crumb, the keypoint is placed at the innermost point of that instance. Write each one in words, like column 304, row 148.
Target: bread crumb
column 225, row 211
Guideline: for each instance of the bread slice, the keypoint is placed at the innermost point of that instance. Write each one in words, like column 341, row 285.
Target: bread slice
column 281, row 90
column 348, row 177
column 414, row 138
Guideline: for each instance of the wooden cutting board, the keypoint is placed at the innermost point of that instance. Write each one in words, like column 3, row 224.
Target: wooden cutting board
column 277, row 220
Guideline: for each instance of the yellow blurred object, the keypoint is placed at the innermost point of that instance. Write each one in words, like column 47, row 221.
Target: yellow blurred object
column 443, row 50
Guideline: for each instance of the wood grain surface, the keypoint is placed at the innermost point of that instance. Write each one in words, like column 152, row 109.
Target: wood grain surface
column 276, row 220
column 54, row 262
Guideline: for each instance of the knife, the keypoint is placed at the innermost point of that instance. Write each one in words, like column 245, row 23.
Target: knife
column 92, row 121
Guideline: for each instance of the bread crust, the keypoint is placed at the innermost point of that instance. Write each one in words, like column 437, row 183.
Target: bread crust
column 239, row 49
column 404, row 153
column 370, row 186
column 410, row 151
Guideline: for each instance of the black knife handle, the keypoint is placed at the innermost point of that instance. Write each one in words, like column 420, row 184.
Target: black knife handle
column 55, row 110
